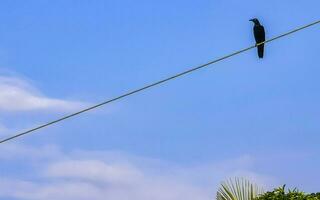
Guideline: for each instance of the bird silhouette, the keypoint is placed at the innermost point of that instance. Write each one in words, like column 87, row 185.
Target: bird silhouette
column 259, row 35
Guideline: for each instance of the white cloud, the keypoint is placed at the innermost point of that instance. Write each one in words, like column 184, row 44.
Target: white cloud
column 111, row 176
column 94, row 170
column 18, row 95
column 14, row 152
column 3, row 130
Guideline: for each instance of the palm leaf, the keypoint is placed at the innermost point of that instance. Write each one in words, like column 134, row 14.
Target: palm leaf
column 238, row 189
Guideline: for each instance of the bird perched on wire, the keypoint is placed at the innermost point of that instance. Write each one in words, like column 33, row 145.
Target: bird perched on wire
column 259, row 35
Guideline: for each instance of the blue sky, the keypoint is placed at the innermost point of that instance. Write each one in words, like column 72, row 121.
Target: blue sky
column 256, row 118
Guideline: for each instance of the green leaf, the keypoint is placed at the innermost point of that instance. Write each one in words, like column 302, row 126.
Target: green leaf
column 238, row 189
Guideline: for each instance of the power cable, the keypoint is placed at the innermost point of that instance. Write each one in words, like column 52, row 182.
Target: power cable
column 154, row 84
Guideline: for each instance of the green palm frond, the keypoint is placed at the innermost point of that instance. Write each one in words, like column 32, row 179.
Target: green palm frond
column 238, row 189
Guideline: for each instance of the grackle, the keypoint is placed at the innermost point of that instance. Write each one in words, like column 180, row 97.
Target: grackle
column 259, row 35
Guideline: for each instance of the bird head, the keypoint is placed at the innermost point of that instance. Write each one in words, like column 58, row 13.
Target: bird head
column 255, row 21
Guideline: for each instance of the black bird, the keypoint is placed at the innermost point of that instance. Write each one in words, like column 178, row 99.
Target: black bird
column 259, row 35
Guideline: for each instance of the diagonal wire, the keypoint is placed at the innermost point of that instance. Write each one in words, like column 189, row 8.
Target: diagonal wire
column 155, row 83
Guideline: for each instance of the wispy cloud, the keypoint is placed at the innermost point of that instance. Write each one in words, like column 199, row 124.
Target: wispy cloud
column 3, row 130
column 110, row 175
column 18, row 95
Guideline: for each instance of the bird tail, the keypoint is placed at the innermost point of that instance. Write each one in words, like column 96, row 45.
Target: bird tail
column 260, row 50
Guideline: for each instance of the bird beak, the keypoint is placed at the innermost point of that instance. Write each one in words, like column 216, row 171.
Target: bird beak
column 251, row 20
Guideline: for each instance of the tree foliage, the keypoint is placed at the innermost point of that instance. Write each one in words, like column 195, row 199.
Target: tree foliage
column 281, row 194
